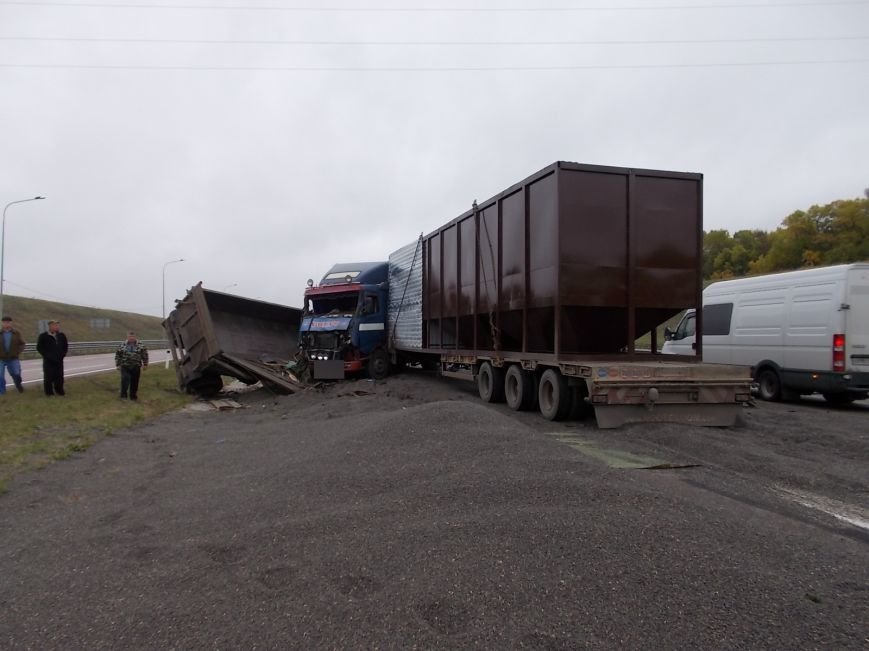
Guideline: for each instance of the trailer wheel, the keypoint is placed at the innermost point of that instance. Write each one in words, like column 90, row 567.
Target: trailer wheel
column 378, row 365
column 554, row 396
column 579, row 408
column 519, row 389
column 490, row 383
column 206, row 386
column 769, row 384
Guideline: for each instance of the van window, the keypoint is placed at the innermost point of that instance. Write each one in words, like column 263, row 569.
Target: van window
column 685, row 329
column 716, row 319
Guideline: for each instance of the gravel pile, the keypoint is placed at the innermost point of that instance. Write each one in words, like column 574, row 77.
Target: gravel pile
column 403, row 515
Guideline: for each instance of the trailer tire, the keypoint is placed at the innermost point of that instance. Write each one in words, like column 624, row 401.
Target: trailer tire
column 520, row 390
column 553, row 395
column 579, row 407
column 769, row 385
column 207, row 386
column 490, row 383
column 378, row 365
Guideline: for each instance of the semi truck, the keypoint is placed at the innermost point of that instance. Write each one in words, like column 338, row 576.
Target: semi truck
column 548, row 295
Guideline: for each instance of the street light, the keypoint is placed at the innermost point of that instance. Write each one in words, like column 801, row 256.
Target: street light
column 164, row 283
column 3, row 244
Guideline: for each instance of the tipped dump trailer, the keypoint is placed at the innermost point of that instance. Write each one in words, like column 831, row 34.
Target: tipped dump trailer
column 213, row 334
column 540, row 293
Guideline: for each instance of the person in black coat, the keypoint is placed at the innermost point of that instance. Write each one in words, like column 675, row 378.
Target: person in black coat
column 53, row 346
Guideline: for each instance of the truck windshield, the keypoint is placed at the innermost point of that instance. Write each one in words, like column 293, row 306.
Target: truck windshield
column 339, row 304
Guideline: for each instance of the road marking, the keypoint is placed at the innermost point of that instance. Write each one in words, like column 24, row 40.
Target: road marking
column 854, row 515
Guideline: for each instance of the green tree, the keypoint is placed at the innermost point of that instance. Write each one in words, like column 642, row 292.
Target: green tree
column 835, row 233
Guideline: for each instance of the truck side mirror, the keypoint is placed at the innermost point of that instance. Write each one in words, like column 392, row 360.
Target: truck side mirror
column 368, row 305
column 668, row 334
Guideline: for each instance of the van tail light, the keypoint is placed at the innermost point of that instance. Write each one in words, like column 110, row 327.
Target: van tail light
column 839, row 353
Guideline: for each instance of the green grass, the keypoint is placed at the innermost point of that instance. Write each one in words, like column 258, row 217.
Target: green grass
column 75, row 320
column 36, row 430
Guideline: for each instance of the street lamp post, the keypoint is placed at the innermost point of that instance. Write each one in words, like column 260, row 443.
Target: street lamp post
column 3, row 244
column 164, row 283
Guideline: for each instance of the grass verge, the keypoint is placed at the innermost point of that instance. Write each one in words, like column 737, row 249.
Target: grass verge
column 36, row 430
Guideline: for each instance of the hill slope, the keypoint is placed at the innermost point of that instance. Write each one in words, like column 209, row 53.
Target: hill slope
column 75, row 320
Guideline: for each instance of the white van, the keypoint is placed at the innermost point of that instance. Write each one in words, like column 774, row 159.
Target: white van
column 801, row 332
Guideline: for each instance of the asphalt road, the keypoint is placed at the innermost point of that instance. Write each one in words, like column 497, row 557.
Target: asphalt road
column 75, row 365
column 407, row 514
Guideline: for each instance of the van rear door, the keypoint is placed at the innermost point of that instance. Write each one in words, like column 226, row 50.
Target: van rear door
column 857, row 320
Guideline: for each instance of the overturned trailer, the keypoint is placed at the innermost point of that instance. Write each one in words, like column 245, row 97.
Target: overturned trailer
column 213, row 334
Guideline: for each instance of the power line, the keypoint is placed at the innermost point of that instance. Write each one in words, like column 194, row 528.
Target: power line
column 646, row 66
column 682, row 7
column 208, row 41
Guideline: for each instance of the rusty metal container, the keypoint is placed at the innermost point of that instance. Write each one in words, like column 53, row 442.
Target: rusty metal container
column 575, row 260
column 213, row 334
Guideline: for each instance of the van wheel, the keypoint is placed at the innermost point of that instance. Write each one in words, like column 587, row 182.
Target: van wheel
column 519, row 389
column 490, row 383
column 554, row 396
column 378, row 365
column 838, row 398
column 769, row 384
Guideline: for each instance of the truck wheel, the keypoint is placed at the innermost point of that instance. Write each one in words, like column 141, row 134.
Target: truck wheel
column 378, row 365
column 490, row 383
column 769, row 384
column 519, row 389
column 553, row 395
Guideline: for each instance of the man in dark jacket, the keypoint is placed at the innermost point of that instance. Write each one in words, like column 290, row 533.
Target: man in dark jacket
column 53, row 346
column 11, row 347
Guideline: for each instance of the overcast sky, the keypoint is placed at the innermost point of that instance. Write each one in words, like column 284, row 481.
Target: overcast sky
column 262, row 163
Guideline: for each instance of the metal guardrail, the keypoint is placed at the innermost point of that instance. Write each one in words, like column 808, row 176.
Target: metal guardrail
column 96, row 346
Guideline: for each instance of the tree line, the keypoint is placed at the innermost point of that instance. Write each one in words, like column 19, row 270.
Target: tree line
column 836, row 233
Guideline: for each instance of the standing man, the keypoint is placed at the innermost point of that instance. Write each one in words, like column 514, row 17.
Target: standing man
column 130, row 359
column 53, row 346
column 11, row 347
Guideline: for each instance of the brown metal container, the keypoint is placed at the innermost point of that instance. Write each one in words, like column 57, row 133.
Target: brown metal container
column 574, row 260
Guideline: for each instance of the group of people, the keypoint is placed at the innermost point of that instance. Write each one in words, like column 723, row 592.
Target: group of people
column 130, row 359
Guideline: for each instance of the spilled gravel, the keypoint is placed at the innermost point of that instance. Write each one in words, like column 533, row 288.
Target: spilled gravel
column 406, row 514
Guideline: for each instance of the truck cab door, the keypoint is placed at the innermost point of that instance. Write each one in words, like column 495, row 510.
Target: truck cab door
column 682, row 340
column 372, row 321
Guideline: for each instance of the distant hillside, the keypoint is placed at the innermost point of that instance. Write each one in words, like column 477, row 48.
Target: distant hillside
column 75, row 320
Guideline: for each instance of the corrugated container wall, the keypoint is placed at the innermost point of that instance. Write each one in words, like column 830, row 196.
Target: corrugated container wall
column 405, row 297
column 576, row 259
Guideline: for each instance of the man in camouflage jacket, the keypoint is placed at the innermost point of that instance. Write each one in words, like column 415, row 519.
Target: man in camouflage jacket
column 130, row 359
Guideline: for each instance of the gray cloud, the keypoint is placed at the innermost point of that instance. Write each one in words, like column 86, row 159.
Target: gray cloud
column 265, row 178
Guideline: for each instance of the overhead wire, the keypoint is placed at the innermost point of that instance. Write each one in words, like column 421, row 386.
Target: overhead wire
column 643, row 66
column 432, row 9
column 212, row 41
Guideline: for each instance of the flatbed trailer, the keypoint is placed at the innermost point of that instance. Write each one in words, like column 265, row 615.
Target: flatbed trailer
column 540, row 293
